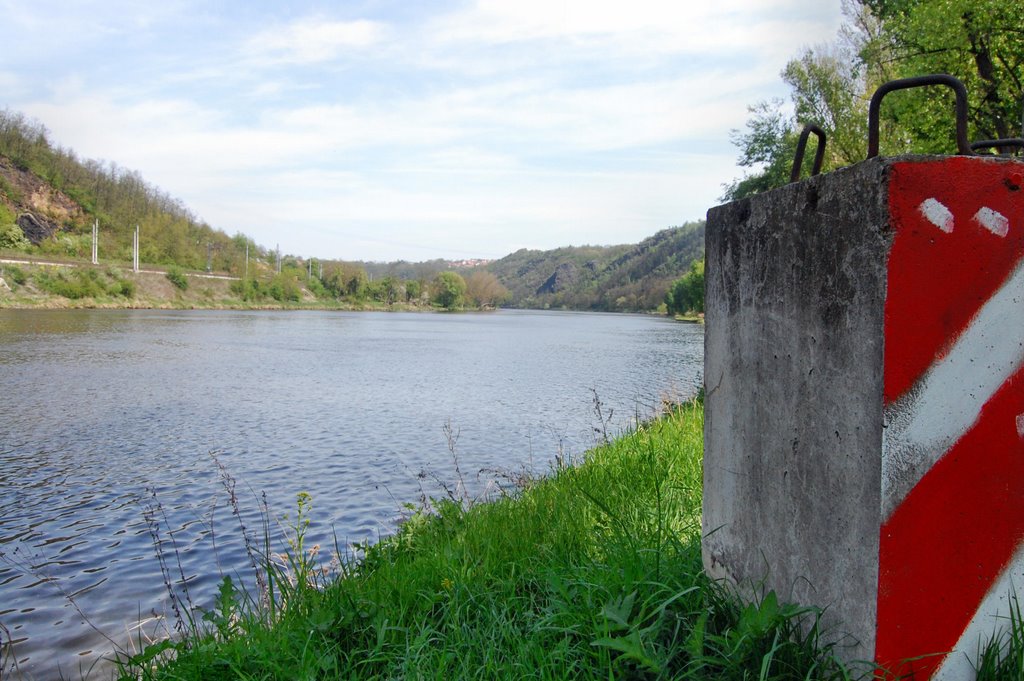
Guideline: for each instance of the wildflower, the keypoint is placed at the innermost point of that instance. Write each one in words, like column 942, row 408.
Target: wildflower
column 447, row 584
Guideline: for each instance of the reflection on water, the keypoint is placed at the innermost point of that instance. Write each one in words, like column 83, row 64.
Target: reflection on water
column 110, row 417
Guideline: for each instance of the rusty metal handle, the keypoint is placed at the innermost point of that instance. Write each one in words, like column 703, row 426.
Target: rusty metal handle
column 962, row 145
column 1010, row 142
column 801, row 147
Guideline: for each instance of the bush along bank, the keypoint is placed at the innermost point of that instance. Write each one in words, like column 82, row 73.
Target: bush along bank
column 592, row 572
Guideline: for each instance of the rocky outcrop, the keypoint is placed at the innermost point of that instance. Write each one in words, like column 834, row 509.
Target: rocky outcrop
column 564, row 277
column 37, row 228
column 42, row 209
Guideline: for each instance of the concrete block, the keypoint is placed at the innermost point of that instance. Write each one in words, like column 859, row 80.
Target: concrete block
column 864, row 410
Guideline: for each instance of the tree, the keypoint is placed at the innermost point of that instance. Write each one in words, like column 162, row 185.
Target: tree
column 686, row 294
column 413, row 288
column 978, row 41
column 484, row 289
column 449, row 290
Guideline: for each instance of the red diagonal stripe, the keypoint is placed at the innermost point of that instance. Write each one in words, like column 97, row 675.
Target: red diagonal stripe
column 938, row 280
column 943, row 548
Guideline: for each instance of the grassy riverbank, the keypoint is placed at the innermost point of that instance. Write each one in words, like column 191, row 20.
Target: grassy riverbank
column 591, row 572
column 77, row 285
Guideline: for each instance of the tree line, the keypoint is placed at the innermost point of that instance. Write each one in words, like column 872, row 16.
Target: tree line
column 179, row 240
column 609, row 278
column 981, row 42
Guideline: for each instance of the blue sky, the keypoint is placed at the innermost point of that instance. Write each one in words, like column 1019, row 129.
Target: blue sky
column 387, row 129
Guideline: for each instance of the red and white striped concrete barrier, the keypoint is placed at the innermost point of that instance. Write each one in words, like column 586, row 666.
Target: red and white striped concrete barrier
column 864, row 410
column 951, row 552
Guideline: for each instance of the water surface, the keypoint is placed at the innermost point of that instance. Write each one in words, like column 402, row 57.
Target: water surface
column 110, row 418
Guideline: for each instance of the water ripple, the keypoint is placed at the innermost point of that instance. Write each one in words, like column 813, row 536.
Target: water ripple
column 123, row 415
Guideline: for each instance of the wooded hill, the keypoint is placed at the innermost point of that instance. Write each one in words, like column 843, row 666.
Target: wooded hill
column 609, row 278
column 49, row 199
column 54, row 197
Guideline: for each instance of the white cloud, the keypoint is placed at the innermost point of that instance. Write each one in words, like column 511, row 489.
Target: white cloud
column 313, row 39
column 641, row 25
column 507, row 123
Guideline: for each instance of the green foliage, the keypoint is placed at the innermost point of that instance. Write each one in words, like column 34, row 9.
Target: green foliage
column 127, row 288
column 119, row 198
column 606, row 278
column 687, row 293
column 591, row 573
column 413, row 290
column 1001, row 658
column 978, row 41
column 13, row 275
column 448, row 290
column 177, row 277
column 82, row 283
column 247, row 289
column 10, row 191
column 284, row 287
column 11, row 236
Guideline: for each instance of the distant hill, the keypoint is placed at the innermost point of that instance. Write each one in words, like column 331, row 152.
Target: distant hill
column 49, row 199
column 54, row 196
column 601, row 278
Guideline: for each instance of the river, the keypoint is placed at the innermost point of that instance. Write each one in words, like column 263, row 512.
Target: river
column 117, row 429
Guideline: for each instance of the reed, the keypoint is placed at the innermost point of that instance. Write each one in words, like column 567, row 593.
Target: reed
column 593, row 571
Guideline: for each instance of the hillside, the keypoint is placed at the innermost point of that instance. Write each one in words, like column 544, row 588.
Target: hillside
column 607, row 278
column 50, row 199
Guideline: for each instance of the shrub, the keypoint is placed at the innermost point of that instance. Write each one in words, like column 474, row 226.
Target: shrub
column 285, row 288
column 15, row 274
column 126, row 288
column 79, row 284
column 177, row 277
column 11, row 236
column 246, row 289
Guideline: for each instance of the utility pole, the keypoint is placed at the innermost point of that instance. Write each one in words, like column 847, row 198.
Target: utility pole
column 311, row 268
column 135, row 251
column 246, row 259
column 209, row 256
column 96, row 242
column 279, row 258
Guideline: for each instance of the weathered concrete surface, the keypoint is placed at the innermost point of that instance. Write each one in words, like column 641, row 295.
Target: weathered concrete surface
column 793, row 413
column 864, row 414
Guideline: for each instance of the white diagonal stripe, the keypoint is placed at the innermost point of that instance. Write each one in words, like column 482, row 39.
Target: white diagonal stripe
column 926, row 422
column 993, row 221
column 937, row 214
column 1020, row 425
column 991, row 618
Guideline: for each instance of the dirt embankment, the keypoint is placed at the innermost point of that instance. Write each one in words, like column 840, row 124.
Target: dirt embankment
column 32, row 284
column 39, row 209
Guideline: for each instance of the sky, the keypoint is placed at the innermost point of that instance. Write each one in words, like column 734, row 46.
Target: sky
column 382, row 130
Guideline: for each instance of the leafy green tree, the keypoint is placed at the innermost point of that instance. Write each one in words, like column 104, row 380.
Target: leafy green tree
column 449, row 290
column 356, row 283
column 413, row 290
column 978, row 41
column 284, row 287
column 687, row 293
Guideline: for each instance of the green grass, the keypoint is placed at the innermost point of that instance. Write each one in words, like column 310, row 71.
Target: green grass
column 1002, row 658
column 84, row 283
column 592, row 572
